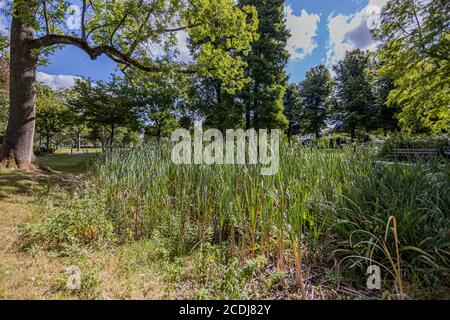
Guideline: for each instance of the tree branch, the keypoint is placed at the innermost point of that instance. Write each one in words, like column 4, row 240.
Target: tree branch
column 83, row 21
column 47, row 23
column 94, row 52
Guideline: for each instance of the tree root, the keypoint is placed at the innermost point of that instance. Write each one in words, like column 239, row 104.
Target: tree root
column 10, row 161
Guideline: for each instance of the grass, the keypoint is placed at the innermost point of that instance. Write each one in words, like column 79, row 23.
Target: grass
column 44, row 217
column 67, row 163
column 140, row 226
column 69, row 151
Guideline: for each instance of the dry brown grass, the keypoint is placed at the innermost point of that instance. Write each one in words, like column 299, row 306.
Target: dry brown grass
column 22, row 276
column 40, row 274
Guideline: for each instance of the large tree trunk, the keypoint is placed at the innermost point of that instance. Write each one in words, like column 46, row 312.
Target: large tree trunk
column 17, row 148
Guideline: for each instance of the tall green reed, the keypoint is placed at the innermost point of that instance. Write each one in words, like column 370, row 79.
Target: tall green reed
column 320, row 201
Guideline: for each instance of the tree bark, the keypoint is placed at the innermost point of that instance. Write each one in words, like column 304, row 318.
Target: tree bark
column 47, row 139
column 78, row 140
column 111, row 142
column 17, row 147
column 353, row 133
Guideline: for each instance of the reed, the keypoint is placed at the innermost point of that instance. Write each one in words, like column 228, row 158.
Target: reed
column 321, row 201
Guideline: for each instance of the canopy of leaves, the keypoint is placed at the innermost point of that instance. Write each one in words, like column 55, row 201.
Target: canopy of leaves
column 106, row 104
column 353, row 91
column 415, row 36
column 144, row 33
column 51, row 113
column 315, row 91
column 263, row 95
column 293, row 106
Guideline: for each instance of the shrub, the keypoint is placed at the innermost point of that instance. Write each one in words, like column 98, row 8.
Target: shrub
column 80, row 223
column 43, row 151
column 335, row 141
column 402, row 141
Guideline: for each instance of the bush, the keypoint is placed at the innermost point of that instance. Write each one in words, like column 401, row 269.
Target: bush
column 401, row 141
column 43, row 151
column 335, row 141
column 79, row 224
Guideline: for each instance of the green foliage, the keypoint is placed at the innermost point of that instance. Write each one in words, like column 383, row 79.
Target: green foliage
column 124, row 30
column 417, row 196
column 354, row 92
column 156, row 100
column 385, row 115
column 293, row 106
column 220, row 278
column 415, row 45
column 263, row 96
column 4, row 44
column 51, row 113
column 4, row 94
column 105, row 106
column 315, row 91
column 322, row 197
column 4, row 105
column 405, row 141
column 208, row 99
column 334, row 141
column 43, row 151
column 67, row 229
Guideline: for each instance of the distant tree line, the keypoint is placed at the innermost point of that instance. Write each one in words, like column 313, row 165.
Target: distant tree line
column 402, row 86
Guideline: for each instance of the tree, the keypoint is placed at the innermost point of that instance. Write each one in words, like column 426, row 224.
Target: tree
column 415, row 46
column 315, row 91
column 123, row 30
column 77, row 122
column 208, row 100
column 51, row 113
column 353, row 92
column 155, row 102
column 98, row 133
column 108, row 105
column 293, row 107
column 4, row 92
column 263, row 96
column 385, row 116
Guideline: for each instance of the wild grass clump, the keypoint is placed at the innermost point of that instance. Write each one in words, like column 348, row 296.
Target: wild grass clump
column 398, row 216
column 322, row 204
column 80, row 223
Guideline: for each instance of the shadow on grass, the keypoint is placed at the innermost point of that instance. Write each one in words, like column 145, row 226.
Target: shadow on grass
column 76, row 164
column 66, row 173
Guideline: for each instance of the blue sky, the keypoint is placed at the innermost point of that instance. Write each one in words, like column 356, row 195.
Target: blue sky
column 318, row 12
column 322, row 30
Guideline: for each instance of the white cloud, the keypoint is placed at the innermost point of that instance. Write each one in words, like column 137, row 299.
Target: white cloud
column 166, row 48
column 56, row 82
column 303, row 30
column 5, row 23
column 348, row 32
column 182, row 49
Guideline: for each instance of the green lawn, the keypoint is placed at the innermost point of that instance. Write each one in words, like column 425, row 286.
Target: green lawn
column 67, row 151
column 67, row 163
